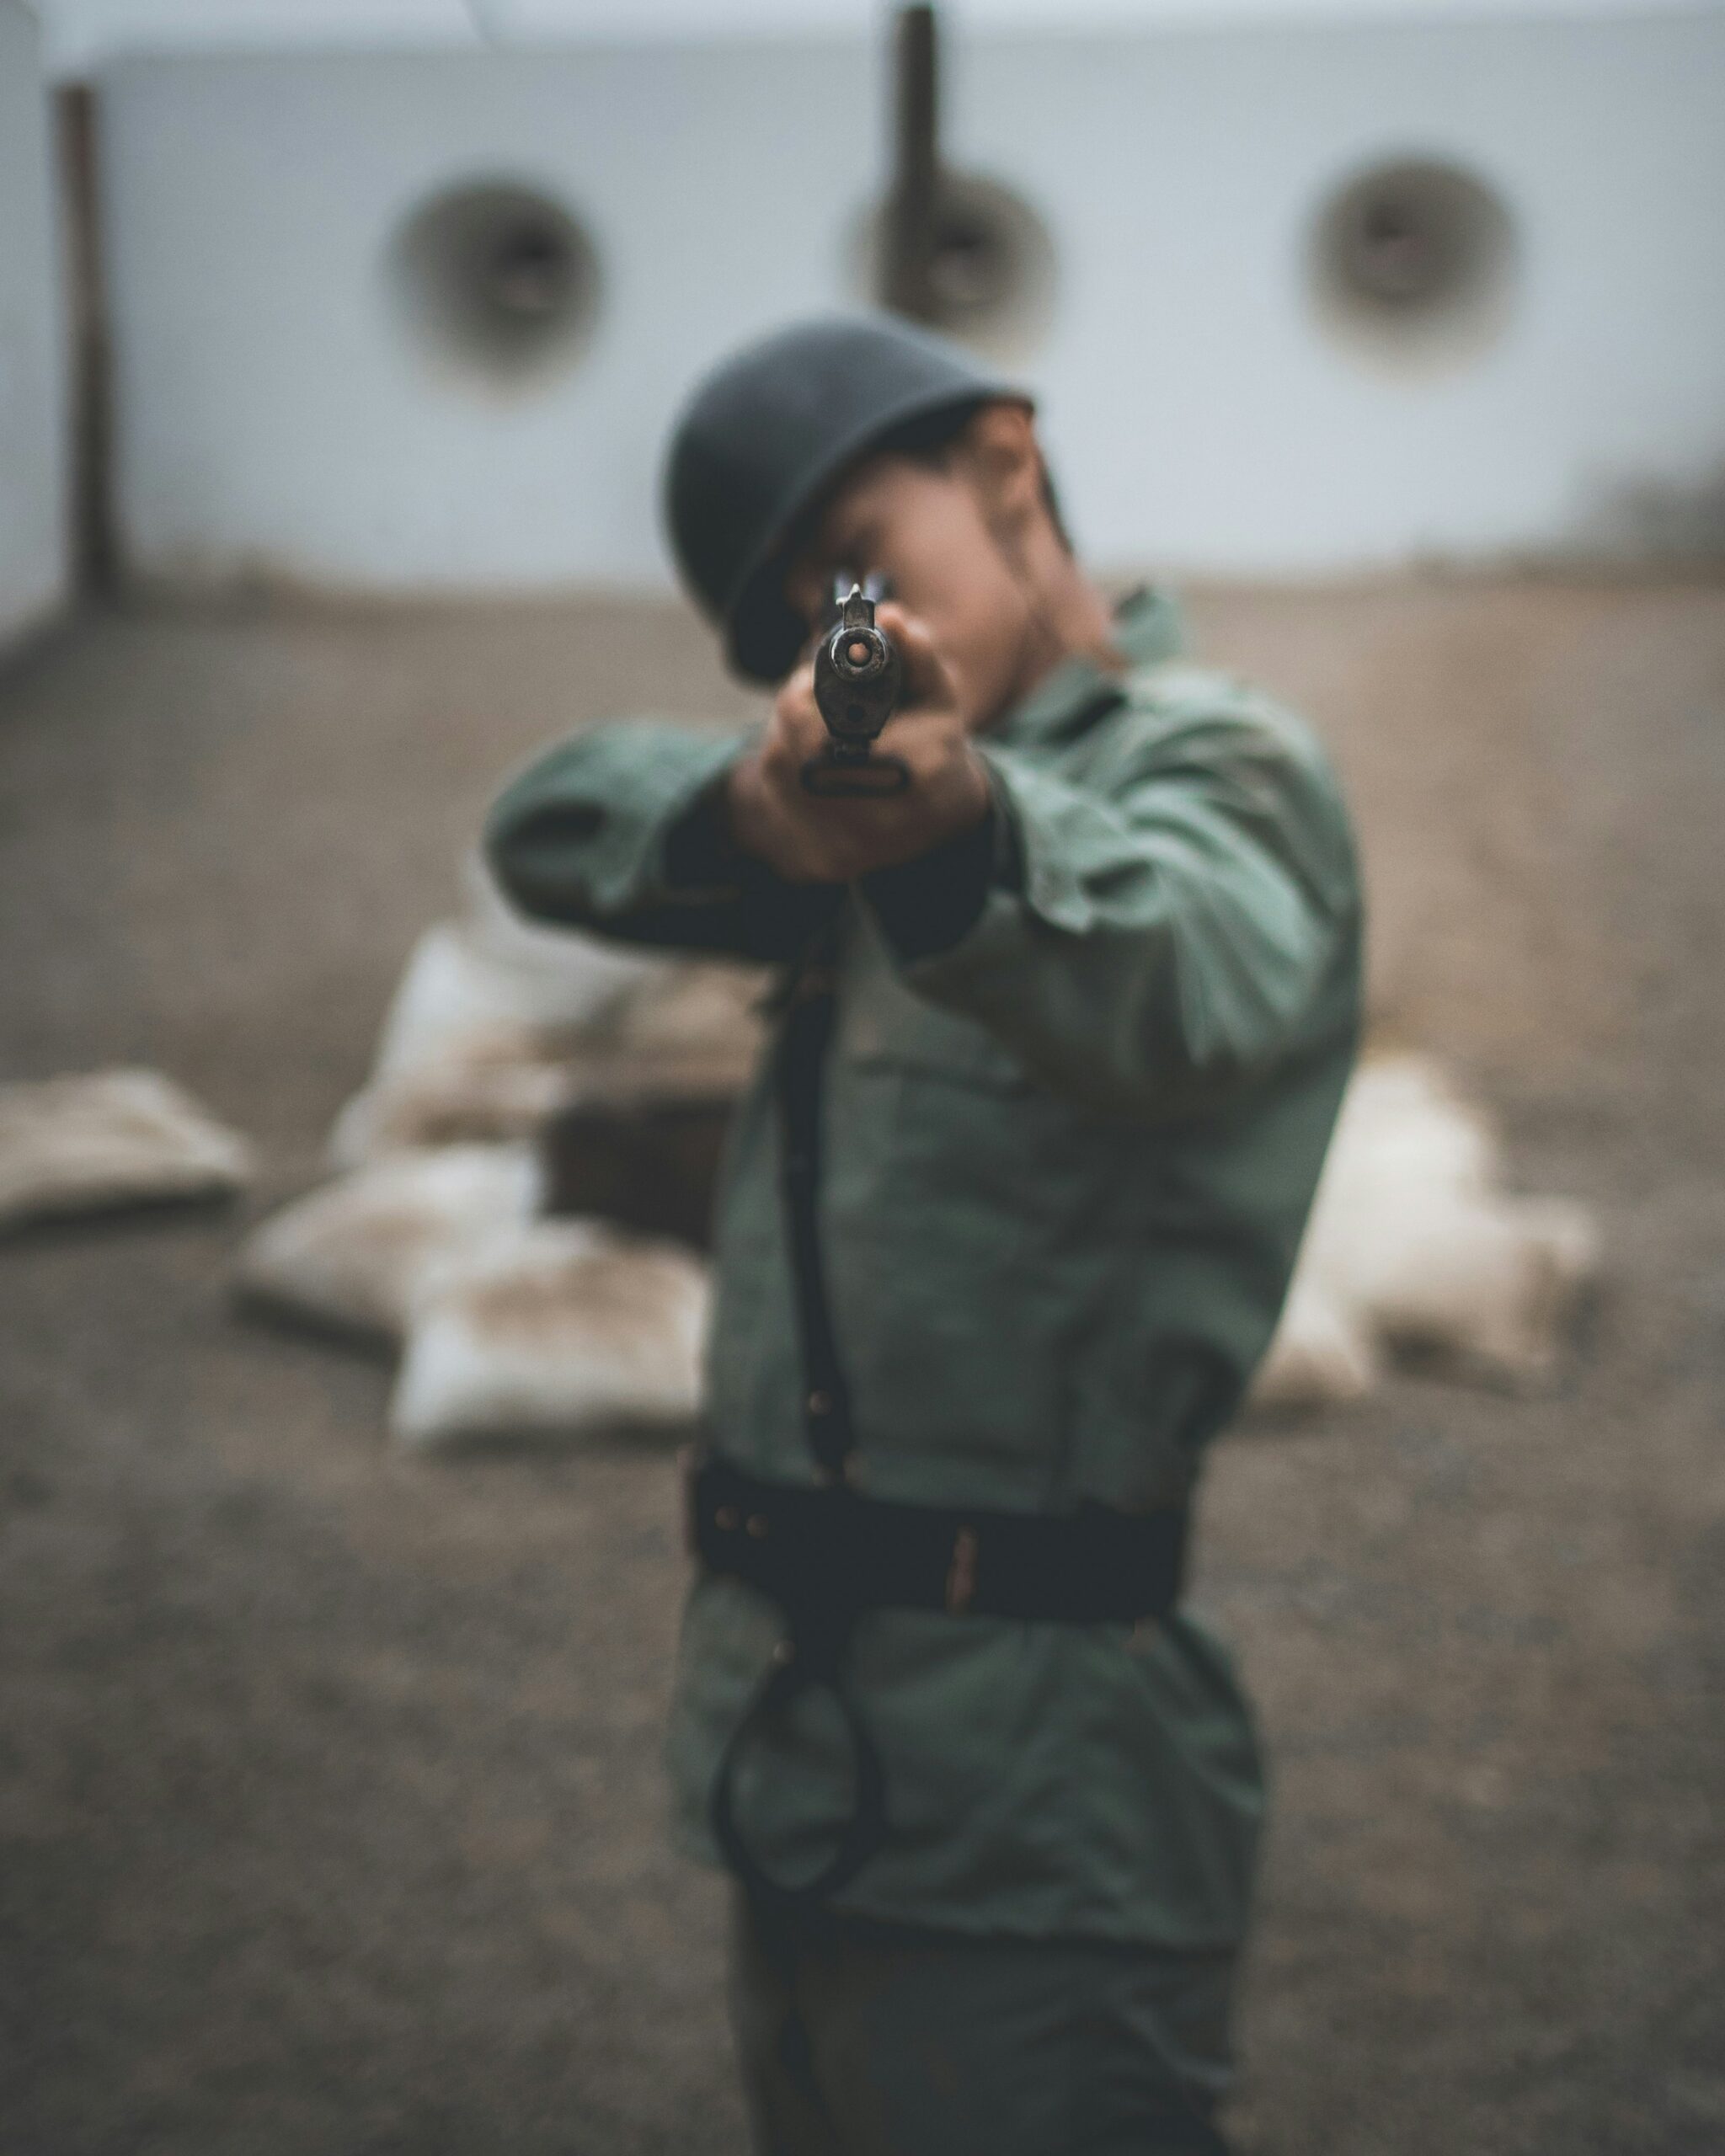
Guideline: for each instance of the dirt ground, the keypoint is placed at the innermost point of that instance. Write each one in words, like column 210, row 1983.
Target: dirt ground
column 328, row 1784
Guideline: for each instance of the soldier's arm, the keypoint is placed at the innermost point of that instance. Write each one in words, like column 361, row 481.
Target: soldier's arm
column 1153, row 941
column 621, row 830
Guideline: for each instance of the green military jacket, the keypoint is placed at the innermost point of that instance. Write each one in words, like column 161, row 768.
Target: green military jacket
column 1069, row 1154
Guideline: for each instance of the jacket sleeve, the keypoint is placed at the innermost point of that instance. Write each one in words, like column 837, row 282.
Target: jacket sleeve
column 620, row 830
column 1154, row 936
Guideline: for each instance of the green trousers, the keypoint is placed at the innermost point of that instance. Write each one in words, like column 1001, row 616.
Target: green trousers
column 866, row 2039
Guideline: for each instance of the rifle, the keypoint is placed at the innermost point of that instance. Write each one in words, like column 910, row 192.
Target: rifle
column 858, row 678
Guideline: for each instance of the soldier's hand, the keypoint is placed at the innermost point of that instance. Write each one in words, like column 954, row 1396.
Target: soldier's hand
column 810, row 838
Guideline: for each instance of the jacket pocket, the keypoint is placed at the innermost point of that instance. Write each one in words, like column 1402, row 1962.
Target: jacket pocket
column 889, row 1029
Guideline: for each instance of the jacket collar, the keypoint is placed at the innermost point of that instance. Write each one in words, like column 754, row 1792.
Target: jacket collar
column 1147, row 628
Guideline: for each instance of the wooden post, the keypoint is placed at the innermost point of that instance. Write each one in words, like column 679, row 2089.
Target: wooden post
column 908, row 235
column 96, row 566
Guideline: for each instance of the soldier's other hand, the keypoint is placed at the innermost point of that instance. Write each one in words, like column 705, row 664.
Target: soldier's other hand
column 812, row 839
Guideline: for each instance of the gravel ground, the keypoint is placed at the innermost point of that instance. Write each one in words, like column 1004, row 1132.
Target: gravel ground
column 328, row 1785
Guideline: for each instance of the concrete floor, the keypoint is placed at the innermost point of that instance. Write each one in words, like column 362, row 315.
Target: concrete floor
column 329, row 1795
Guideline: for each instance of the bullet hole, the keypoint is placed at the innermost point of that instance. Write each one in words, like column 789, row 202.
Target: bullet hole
column 1412, row 263
column 991, row 268
column 496, row 282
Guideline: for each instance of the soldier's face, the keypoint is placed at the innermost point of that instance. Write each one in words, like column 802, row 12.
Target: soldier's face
column 944, row 539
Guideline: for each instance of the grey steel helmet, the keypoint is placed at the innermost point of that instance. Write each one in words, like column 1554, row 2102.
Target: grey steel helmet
column 765, row 434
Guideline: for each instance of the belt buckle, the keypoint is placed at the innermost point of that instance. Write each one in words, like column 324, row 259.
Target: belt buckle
column 961, row 1573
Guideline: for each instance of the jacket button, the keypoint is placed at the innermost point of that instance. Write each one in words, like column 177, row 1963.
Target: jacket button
column 728, row 1520
column 757, row 1526
column 819, row 1403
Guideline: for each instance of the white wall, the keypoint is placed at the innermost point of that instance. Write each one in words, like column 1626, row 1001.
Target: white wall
column 274, row 415
column 1205, row 416
column 33, row 460
column 274, row 412
column 82, row 34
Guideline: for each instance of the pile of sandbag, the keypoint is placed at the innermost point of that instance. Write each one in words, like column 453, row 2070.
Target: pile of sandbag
column 432, row 1235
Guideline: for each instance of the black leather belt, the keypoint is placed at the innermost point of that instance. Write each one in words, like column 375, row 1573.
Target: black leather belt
column 826, row 1554
column 833, row 1550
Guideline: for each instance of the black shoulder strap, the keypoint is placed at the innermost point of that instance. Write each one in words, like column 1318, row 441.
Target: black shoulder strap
column 815, row 1652
column 800, row 1064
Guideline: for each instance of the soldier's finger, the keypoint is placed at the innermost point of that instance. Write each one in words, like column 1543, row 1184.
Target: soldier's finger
column 792, row 738
column 795, row 701
column 927, row 678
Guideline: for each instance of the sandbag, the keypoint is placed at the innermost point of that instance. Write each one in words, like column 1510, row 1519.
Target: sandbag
column 108, row 1139
column 558, row 1331
column 1414, row 1245
column 361, row 1253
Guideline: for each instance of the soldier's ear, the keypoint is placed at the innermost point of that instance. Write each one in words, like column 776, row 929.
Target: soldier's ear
column 1000, row 452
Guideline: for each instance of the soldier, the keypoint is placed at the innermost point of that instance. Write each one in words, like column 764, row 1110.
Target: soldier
column 1005, row 1228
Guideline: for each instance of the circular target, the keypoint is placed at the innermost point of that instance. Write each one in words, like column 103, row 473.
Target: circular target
column 1413, row 262
column 991, row 265
column 496, row 280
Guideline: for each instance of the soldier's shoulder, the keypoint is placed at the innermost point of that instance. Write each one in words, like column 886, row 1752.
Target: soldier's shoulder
column 1176, row 710
column 1169, row 696
column 1180, row 721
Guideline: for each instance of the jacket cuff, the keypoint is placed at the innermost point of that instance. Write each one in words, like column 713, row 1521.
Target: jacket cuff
column 698, row 857
column 929, row 905
column 582, row 831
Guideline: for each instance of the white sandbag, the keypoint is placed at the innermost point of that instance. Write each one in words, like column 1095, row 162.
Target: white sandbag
column 469, row 990
column 560, row 1330
column 496, row 1093
column 359, row 1253
column 473, row 1043
column 1413, row 1245
column 1322, row 1353
column 690, row 1033
column 109, row 1139
column 1489, row 1285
